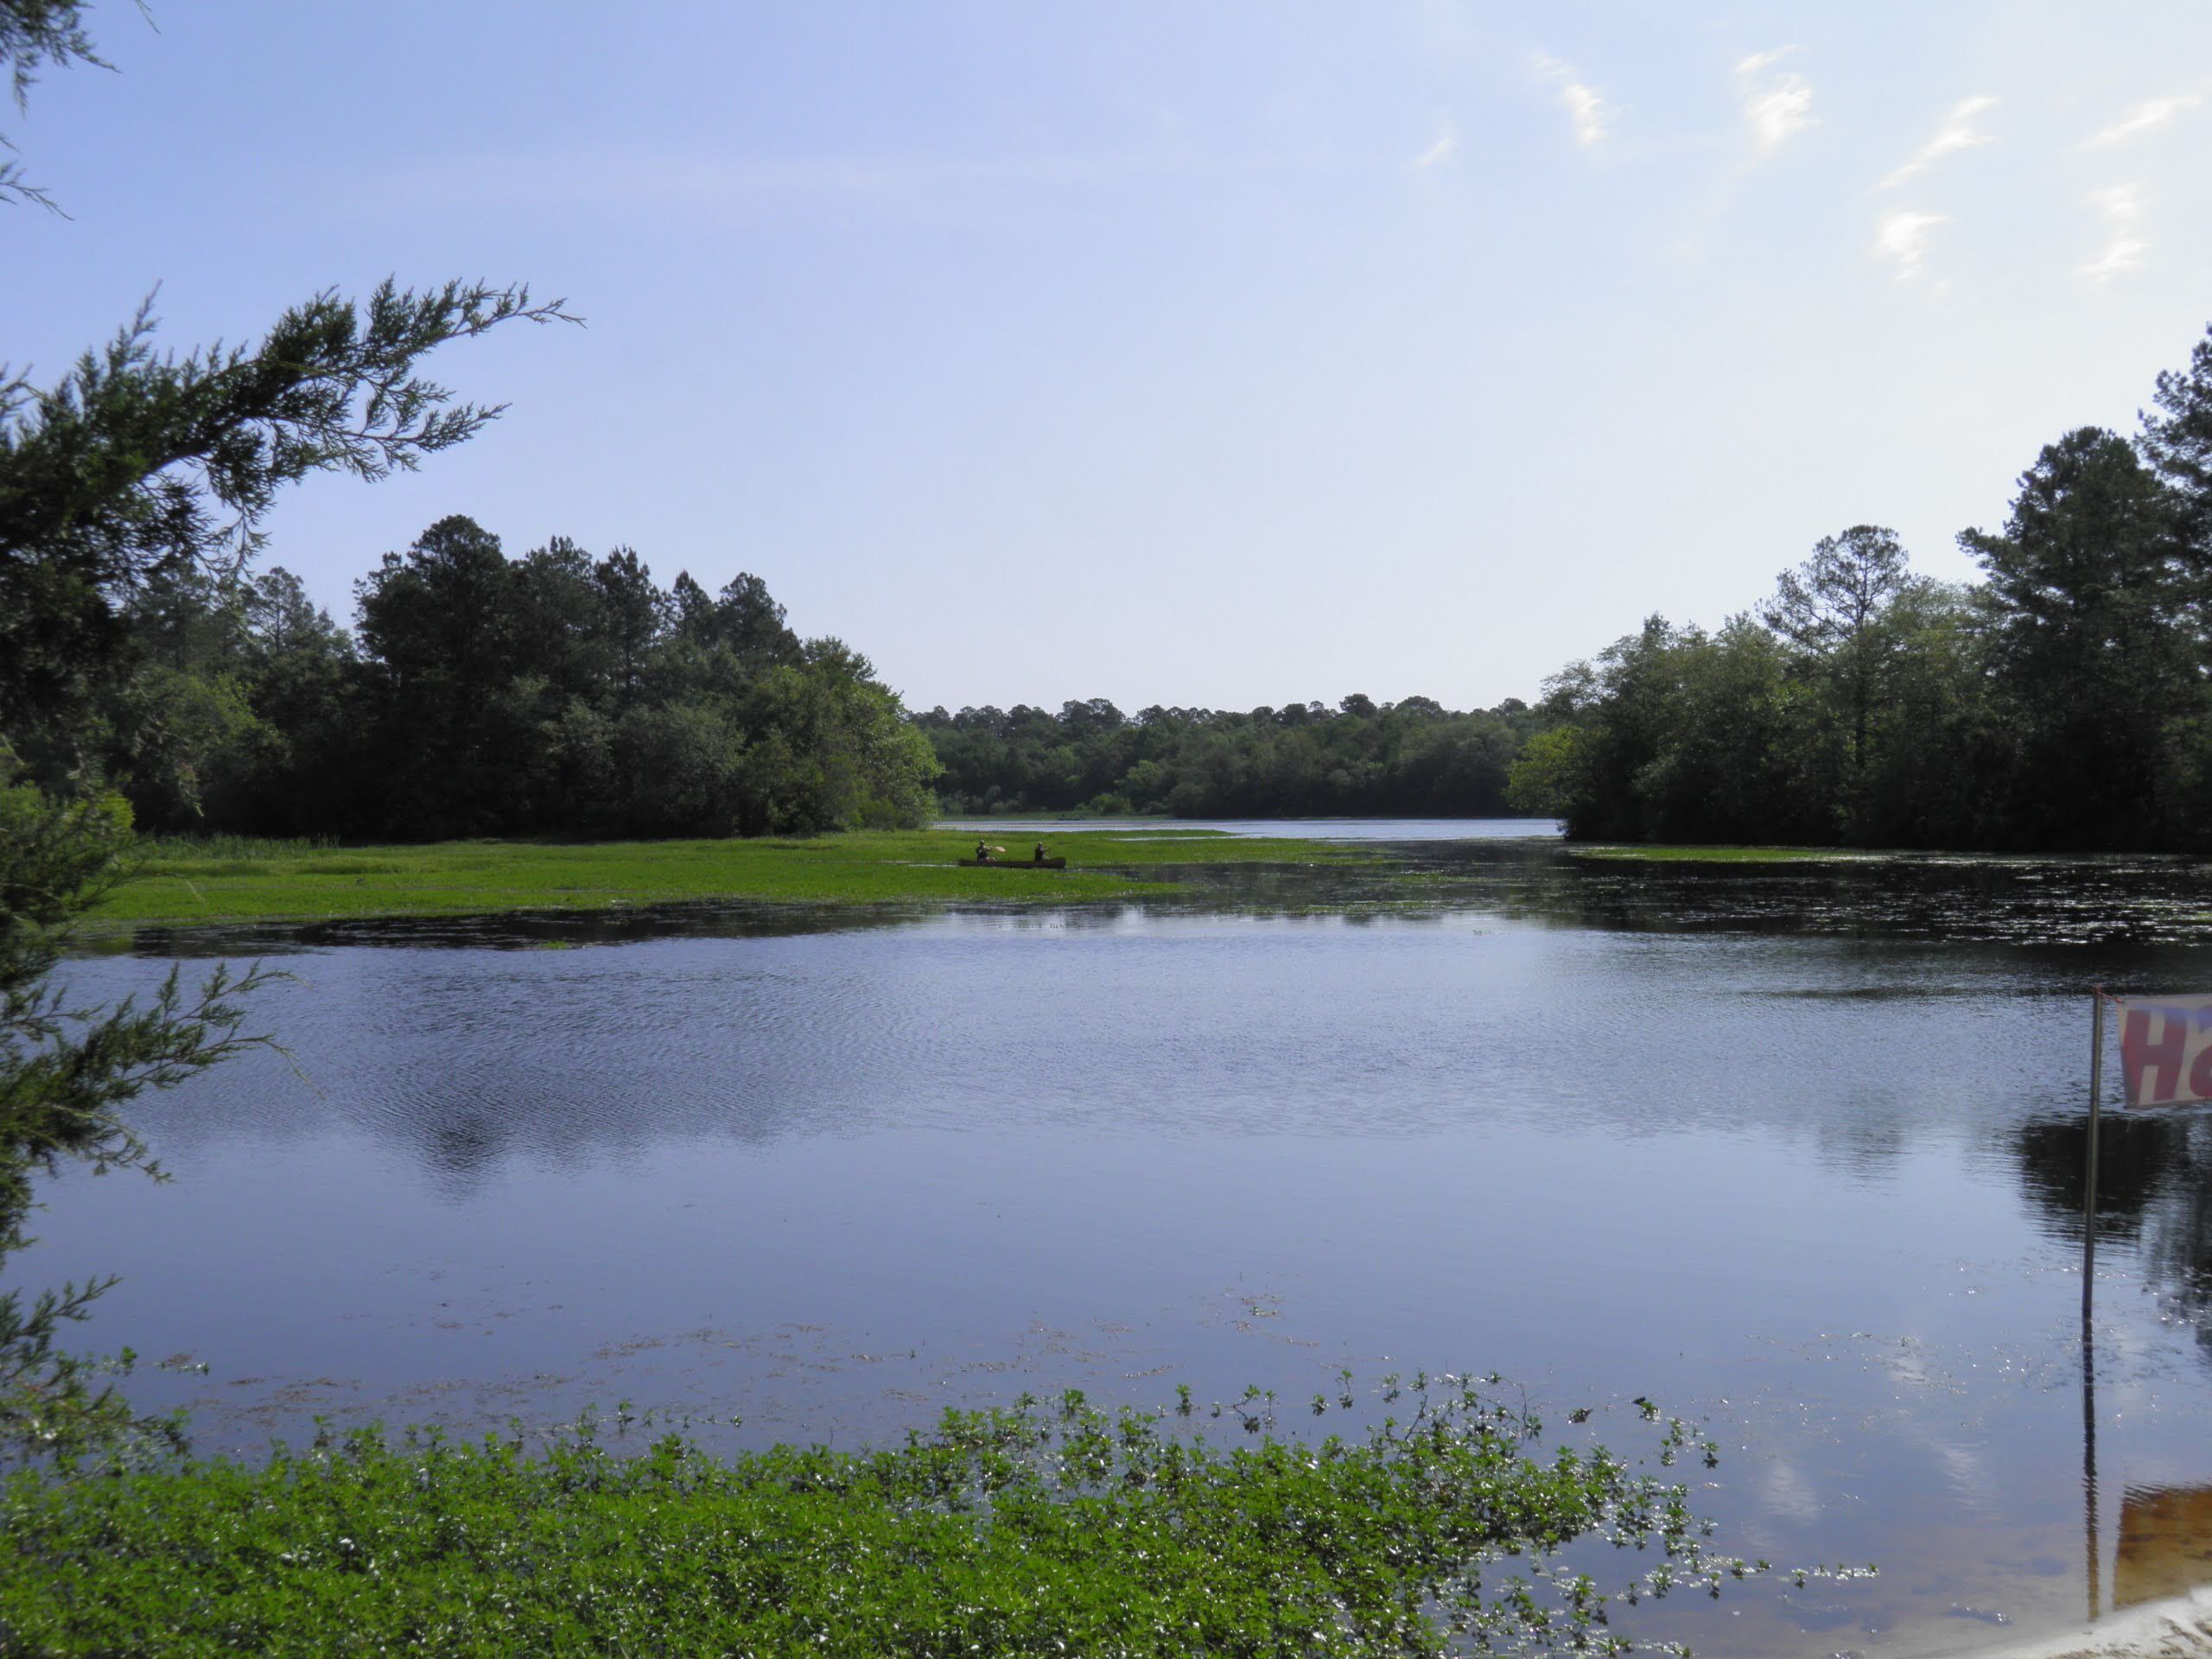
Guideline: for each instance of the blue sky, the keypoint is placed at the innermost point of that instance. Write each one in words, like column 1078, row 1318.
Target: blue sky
column 1190, row 355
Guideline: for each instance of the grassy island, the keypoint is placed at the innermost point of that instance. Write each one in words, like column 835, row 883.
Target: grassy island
column 235, row 879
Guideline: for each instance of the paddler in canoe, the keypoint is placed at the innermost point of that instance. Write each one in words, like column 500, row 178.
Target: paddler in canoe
column 1038, row 860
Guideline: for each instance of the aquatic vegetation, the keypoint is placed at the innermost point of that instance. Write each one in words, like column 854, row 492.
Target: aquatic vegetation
column 1035, row 1528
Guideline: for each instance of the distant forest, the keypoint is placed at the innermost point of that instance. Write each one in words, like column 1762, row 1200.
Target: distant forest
column 1410, row 759
column 477, row 694
column 2064, row 701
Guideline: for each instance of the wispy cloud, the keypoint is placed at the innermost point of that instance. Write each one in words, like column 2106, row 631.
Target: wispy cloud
column 1776, row 107
column 2144, row 117
column 2122, row 207
column 1592, row 119
column 1958, row 132
column 1446, row 147
column 1902, row 238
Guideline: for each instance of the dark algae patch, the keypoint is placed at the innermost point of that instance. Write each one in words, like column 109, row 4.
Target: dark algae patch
column 1667, row 855
column 1029, row 1530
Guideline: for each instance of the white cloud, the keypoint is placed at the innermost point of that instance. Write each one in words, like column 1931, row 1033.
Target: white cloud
column 1583, row 104
column 1904, row 239
column 1958, row 132
column 1776, row 107
column 1447, row 146
column 2142, row 118
column 2122, row 207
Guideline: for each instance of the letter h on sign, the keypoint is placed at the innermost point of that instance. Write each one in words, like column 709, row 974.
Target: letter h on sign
column 2152, row 1065
column 2165, row 1050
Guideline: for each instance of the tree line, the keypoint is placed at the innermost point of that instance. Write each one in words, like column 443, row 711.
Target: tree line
column 1412, row 758
column 2061, row 702
column 556, row 693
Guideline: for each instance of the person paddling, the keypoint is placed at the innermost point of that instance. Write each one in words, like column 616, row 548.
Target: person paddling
column 1040, row 852
column 982, row 851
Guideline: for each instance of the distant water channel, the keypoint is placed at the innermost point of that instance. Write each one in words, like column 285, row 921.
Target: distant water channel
column 1793, row 1149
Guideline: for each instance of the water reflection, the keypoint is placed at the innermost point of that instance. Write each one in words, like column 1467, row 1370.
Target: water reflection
column 2154, row 1190
column 2177, row 1248
column 2165, row 1543
column 2137, row 1152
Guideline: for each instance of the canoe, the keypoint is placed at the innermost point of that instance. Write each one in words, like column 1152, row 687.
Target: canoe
column 1014, row 863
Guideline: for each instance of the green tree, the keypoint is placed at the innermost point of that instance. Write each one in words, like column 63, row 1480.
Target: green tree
column 2177, row 442
column 749, row 623
column 558, row 624
column 1548, row 776
column 2094, row 617
column 187, row 746
column 1832, row 611
column 636, row 612
column 829, row 748
column 1676, row 735
column 685, row 768
column 1714, row 773
column 438, row 625
column 1944, row 765
column 299, row 671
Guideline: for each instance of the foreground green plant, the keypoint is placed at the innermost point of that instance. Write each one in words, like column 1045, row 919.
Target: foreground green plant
column 1033, row 1529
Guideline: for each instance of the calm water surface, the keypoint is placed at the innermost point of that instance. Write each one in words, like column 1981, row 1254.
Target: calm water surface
column 1793, row 1149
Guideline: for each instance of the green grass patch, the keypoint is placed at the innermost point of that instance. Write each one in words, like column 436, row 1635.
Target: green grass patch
column 1650, row 854
column 183, row 881
column 1032, row 1531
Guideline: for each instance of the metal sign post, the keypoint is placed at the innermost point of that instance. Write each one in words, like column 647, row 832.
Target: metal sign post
column 2089, row 1197
column 2089, row 1296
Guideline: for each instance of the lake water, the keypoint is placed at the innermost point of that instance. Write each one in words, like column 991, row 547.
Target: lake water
column 1796, row 1150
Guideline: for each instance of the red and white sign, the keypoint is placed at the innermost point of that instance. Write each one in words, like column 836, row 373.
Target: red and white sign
column 2165, row 1048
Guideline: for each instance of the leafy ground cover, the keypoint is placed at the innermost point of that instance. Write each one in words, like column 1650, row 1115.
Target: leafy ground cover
column 1028, row 1530
column 234, row 878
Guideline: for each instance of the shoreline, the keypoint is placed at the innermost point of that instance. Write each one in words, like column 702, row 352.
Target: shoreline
column 2180, row 1628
